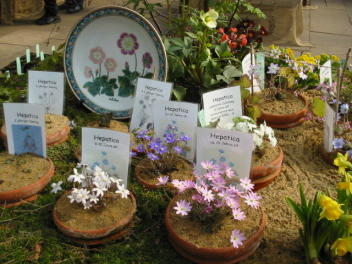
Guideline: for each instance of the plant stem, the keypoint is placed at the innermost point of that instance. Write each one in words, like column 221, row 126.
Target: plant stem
column 234, row 13
column 152, row 16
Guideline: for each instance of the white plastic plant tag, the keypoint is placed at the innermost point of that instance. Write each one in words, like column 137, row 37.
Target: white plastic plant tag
column 325, row 73
column 225, row 147
column 107, row 149
column 179, row 118
column 248, row 66
column 223, row 103
column 329, row 122
column 47, row 88
column 146, row 93
column 25, row 128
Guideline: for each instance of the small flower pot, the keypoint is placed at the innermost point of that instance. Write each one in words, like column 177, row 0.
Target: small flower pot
column 262, row 176
column 53, row 136
column 72, row 220
column 285, row 120
column 144, row 174
column 209, row 255
column 26, row 193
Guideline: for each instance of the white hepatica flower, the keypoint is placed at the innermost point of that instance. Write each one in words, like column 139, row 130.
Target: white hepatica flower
column 76, row 177
column 87, row 205
column 122, row 191
column 257, row 140
column 209, row 18
column 93, row 198
column 56, row 187
column 273, row 141
column 72, row 196
column 99, row 191
column 242, row 127
column 225, row 124
column 82, row 195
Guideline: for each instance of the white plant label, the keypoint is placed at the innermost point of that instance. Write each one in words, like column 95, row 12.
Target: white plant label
column 248, row 65
column 47, row 88
column 180, row 116
column 146, row 93
column 325, row 73
column 25, row 128
column 223, row 103
column 107, row 149
column 329, row 122
column 225, row 146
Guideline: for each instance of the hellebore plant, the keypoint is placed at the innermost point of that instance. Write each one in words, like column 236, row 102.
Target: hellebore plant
column 327, row 223
column 212, row 196
column 92, row 188
column 163, row 153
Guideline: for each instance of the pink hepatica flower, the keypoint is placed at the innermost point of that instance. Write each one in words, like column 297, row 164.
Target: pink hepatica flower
column 246, row 184
column 110, row 64
column 207, row 165
column 252, row 199
column 162, row 180
column 147, row 60
column 238, row 214
column 183, row 207
column 127, row 43
column 97, row 55
column 88, row 72
column 237, row 238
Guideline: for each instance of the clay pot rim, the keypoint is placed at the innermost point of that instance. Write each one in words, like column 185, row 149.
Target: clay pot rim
column 300, row 112
column 278, row 159
column 45, row 178
column 122, row 222
column 262, row 224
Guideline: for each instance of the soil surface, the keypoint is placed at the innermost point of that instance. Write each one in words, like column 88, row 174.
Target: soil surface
column 184, row 171
column 266, row 155
column 290, row 104
column 55, row 123
column 74, row 216
column 20, row 171
column 190, row 230
column 303, row 164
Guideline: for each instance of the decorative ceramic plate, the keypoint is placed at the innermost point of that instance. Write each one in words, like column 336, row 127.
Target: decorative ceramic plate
column 105, row 54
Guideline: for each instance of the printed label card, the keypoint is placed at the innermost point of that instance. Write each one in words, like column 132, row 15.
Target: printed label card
column 325, row 73
column 260, row 66
column 107, row 149
column 329, row 124
column 180, row 116
column 249, row 66
column 222, row 103
column 225, row 146
column 25, row 128
column 47, row 88
column 146, row 93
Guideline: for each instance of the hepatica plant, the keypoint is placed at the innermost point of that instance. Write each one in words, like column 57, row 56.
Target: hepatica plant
column 162, row 152
column 212, row 196
column 93, row 188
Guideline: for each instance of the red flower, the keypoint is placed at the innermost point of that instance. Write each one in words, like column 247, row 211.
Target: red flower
column 88, row 72
column 233, row 30
column 127, row 43
column 244, row 41
column 224, row 37
column 221, row 31
column 233, row 45
column 147, row 60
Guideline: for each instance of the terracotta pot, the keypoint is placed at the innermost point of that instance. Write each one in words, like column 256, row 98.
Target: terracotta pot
column 202, row 255
column 16, row 197
column 287, row 120
column 262, row 176
column 98, row 236
column 51, row 139
column 140, row 170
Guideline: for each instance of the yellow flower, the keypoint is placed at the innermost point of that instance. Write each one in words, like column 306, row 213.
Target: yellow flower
column 332, row 211
column 345, row 186
column 209, row 18
column 325, row 200
column 318, row 57
column 341, row 246
column 290, row 53
column 342, row 162
column 335, row 58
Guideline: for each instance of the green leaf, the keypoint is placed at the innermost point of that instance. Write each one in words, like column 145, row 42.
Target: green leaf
column 245, row 82
column 318, row 107
column 93, row 88
column 254, row 112
column 231, row 71
column 179, row 92
column 192, row 35
column 222, row 50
